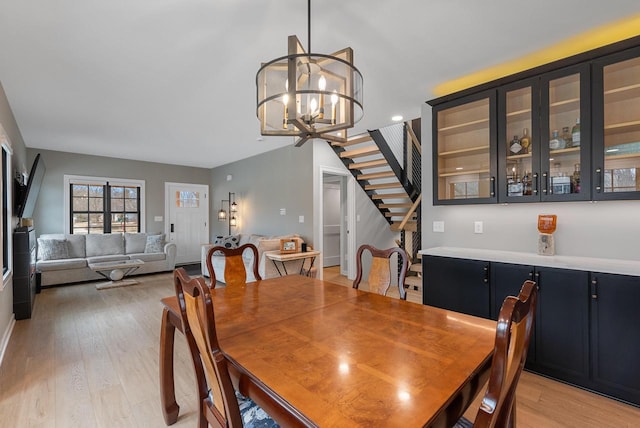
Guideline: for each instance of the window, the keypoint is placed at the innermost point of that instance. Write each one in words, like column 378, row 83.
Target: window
column 104, row 205
column 6, row 207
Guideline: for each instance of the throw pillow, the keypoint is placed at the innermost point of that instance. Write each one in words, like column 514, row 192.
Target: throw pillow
column 155, row 244
column 53, row 249
column 230, row 241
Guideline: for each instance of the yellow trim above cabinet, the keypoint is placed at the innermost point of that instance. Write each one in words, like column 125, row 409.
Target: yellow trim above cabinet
column 601, row 36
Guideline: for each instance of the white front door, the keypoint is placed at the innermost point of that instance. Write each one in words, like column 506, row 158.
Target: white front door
column 187, row 219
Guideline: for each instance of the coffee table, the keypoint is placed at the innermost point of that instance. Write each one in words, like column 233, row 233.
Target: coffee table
column 116, row 271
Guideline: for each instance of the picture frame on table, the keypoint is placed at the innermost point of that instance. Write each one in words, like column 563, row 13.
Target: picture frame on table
column 289, row 246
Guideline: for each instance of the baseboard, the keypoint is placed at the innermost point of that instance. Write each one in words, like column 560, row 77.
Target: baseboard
column 5, row 337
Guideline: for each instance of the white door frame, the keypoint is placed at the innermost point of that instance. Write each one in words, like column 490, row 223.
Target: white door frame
column 350, row 212
column 168, row 198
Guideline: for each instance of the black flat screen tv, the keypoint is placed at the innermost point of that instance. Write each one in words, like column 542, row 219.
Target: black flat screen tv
column 27, row 194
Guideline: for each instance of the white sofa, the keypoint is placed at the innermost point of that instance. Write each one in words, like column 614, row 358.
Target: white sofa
column 266, row 268
column 64, row 258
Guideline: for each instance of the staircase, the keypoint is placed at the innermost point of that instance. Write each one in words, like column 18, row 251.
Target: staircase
column 386, row 163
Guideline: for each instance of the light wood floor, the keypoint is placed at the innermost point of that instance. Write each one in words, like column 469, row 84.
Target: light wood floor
column 89, row 358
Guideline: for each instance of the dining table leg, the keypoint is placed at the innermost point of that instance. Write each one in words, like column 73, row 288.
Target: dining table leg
column 170, row 407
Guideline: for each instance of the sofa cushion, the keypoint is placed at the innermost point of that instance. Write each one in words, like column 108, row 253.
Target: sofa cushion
column 108, row 258
column 104, row 245
column 134, row 242
column 154, row 244
column 50, row 265
column 148, row 257
column 76, row 245
column 52, row 249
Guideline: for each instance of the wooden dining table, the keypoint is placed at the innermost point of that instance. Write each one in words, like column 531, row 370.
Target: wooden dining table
column 314, row 353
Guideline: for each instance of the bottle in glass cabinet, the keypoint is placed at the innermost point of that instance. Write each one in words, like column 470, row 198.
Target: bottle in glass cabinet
column 525, row 141
column 575, row 179
column 567, row 137
column 515, row 148
column 556, row 141
column 575, row 134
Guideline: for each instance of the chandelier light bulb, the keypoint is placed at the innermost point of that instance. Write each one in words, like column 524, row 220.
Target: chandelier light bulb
column 313, row 106
column 322, row 83
column 334, row 98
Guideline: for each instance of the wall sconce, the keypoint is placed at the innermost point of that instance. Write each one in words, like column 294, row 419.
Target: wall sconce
column 233, row 209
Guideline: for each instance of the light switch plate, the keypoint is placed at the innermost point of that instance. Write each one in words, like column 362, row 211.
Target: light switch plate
column 438, row 226
column 283, row 211
column 300, row 219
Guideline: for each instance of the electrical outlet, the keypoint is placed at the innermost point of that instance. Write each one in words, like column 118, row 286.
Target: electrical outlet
column 283, row 211
column 438, row 226
column 300, row 219
column 477, row 227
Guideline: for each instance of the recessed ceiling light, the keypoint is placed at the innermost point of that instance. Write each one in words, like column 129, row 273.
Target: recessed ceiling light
column 396, row 118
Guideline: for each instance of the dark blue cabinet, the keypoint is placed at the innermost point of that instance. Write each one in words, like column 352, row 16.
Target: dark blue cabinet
column 459, row 285
column 615, row 340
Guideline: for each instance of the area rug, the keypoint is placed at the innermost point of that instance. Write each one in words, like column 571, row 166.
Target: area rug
column 115, row 284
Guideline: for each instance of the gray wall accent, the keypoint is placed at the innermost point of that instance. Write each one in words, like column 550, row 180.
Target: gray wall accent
column 606, row 229
column 264, row 184
column 48, row 216
column 10, row 126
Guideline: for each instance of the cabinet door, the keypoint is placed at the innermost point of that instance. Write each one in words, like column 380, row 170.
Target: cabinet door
column 457, row 284
column 464, row 155
column 565, row 137
column 519, row 142
column 507, row 280
column 616, row 126
column 562, row 342
column 615, row 343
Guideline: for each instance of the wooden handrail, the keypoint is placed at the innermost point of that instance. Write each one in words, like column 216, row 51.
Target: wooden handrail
column 414, row 138
column 411, row 211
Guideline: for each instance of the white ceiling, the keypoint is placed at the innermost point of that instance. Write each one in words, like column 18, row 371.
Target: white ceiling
column 173, row 81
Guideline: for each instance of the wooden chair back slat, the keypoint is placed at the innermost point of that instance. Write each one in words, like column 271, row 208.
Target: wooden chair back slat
column 234, row 269
column 215, row 389
column 380, row 271
column 513, row 333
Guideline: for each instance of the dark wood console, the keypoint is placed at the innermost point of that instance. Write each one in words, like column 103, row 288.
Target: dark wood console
column 24, row 271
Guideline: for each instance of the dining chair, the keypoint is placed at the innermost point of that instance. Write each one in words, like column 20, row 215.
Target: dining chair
column 513, row 331
column 380, row 270
column 234, row 269
column 235, row 274
column 221, row 404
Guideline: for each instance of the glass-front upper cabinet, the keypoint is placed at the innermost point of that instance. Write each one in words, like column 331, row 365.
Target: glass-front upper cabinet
column 518, row 142
column 564, row 144
column 464, row 156
column 616, row 126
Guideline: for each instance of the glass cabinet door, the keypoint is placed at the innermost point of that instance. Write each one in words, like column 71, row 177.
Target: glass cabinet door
column 617, row 158
column 464, row 160
column 518, row 147
column 564, row 143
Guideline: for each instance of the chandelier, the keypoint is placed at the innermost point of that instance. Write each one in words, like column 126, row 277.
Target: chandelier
column 309, row 95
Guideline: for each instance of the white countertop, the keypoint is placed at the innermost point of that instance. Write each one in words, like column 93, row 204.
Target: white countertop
column 623, row 267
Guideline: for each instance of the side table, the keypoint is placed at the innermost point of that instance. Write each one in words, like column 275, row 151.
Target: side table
column 275, row 257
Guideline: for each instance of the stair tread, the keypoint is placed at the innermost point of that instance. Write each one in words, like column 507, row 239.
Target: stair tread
column 416, row 267
column 390, row 196
column 369, row 164
column 354, row 140
column 411, row 226
column 374, row 175
column 396, row 214
column 364, row 151
column 377, row 186
column 414, row 281
column 399, row 205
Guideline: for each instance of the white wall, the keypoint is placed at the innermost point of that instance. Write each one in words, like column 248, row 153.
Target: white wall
column 18, row 164
column 607, row 229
